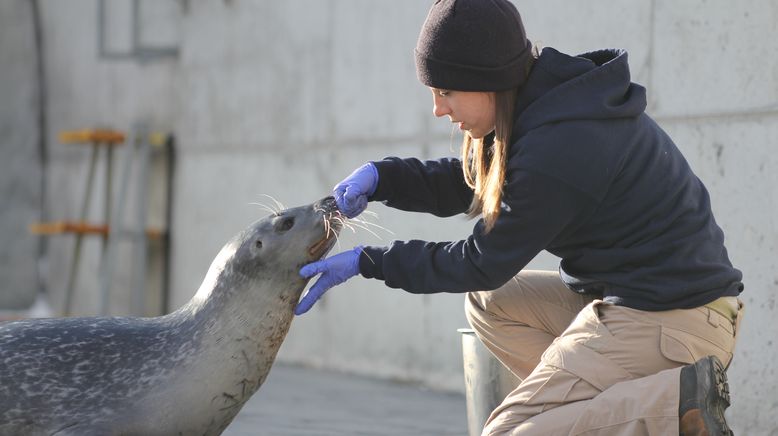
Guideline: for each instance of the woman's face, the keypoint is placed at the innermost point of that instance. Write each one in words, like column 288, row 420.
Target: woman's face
column 472, row 111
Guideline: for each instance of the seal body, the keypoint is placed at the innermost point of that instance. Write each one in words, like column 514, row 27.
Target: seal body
column 185, row 373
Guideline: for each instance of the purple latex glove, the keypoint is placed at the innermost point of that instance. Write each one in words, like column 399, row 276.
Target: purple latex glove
column 351, row 194
column 334, row 270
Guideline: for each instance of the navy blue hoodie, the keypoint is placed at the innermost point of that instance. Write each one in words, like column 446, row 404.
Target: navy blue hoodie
column 590, row 178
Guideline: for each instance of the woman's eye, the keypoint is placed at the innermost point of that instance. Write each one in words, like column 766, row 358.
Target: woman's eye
column 443, row 92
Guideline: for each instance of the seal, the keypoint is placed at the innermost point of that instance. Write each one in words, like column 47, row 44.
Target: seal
column 185, row 373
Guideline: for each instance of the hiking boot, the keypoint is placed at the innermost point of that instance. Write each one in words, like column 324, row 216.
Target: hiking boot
column 704, row 396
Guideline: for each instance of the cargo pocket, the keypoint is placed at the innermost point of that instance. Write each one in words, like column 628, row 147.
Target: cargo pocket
column 680, row 346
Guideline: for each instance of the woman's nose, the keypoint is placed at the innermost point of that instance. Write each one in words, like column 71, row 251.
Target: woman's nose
column 439, row 108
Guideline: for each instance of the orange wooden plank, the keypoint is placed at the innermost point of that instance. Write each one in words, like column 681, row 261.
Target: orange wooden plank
column 100, row 136
column 75, row 227
column 60, row 227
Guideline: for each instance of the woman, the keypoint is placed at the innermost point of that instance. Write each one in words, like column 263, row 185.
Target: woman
column 631, row 335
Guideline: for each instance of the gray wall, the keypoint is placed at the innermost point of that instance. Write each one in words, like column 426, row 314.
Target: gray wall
column 20, row 166
column 89, row 90
column 285, row 98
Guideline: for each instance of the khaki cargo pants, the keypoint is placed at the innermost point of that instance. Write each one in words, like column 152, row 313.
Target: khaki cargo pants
column 589, row 367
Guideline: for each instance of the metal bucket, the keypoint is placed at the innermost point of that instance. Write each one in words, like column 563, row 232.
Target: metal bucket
column 487, row 381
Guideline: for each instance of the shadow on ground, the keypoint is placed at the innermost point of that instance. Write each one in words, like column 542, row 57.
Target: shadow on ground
column 296, row 401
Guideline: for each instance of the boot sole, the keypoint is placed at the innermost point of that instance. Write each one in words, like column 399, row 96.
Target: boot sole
column 716, row 375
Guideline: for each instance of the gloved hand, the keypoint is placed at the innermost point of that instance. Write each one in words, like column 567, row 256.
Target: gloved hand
column 351, row 194
column 334, row 271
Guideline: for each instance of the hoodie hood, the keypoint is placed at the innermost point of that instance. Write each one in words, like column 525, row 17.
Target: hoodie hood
column 590, row 86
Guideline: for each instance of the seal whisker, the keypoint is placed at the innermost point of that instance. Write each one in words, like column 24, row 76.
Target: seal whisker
column 329, row 225
column 362, row 224
column 279, row 206
column 370, row 212
column 330, row 228
column 368, row 223
column 344, row 223
column 266, row 207
column 337, row 241
column 327, row 228
column 368, row 256
column 365, row 228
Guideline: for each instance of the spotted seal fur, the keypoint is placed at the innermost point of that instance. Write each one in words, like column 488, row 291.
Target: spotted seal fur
column 185, row 373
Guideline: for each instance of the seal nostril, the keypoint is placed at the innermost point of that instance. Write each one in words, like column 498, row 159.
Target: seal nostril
column 326, row 205
column 329, row 204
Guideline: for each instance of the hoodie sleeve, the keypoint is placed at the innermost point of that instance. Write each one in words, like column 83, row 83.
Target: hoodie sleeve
column 434, row 186
column 537, row 208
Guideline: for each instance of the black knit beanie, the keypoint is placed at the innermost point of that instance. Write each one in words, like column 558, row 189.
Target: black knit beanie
column 473, row 45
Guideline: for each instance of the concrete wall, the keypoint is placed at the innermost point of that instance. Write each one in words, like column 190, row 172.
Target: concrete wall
column 286, row 98
column 20, row 166
column 87, row 89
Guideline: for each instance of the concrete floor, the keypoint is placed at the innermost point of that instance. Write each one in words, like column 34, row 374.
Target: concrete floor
column 297, row 401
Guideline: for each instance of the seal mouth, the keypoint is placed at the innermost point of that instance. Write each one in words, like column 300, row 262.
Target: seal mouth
column 333, row 222
column 323, row 245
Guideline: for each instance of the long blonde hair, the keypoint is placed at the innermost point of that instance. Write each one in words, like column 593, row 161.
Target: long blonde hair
column 484, row 163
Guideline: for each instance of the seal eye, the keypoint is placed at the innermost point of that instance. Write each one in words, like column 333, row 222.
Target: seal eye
column 258, row 244
column 285, row 224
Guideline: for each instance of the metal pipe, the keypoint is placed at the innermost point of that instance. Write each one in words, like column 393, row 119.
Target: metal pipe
column 170, row 160
column 115, row 225
column 79, row 236
column 141, row 245
column 43, row 154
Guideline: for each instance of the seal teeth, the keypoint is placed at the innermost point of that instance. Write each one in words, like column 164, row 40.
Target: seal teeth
column 317, row 246
column 333, row 222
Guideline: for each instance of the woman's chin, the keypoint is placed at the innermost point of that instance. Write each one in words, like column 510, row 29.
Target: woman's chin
column 477, row 134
